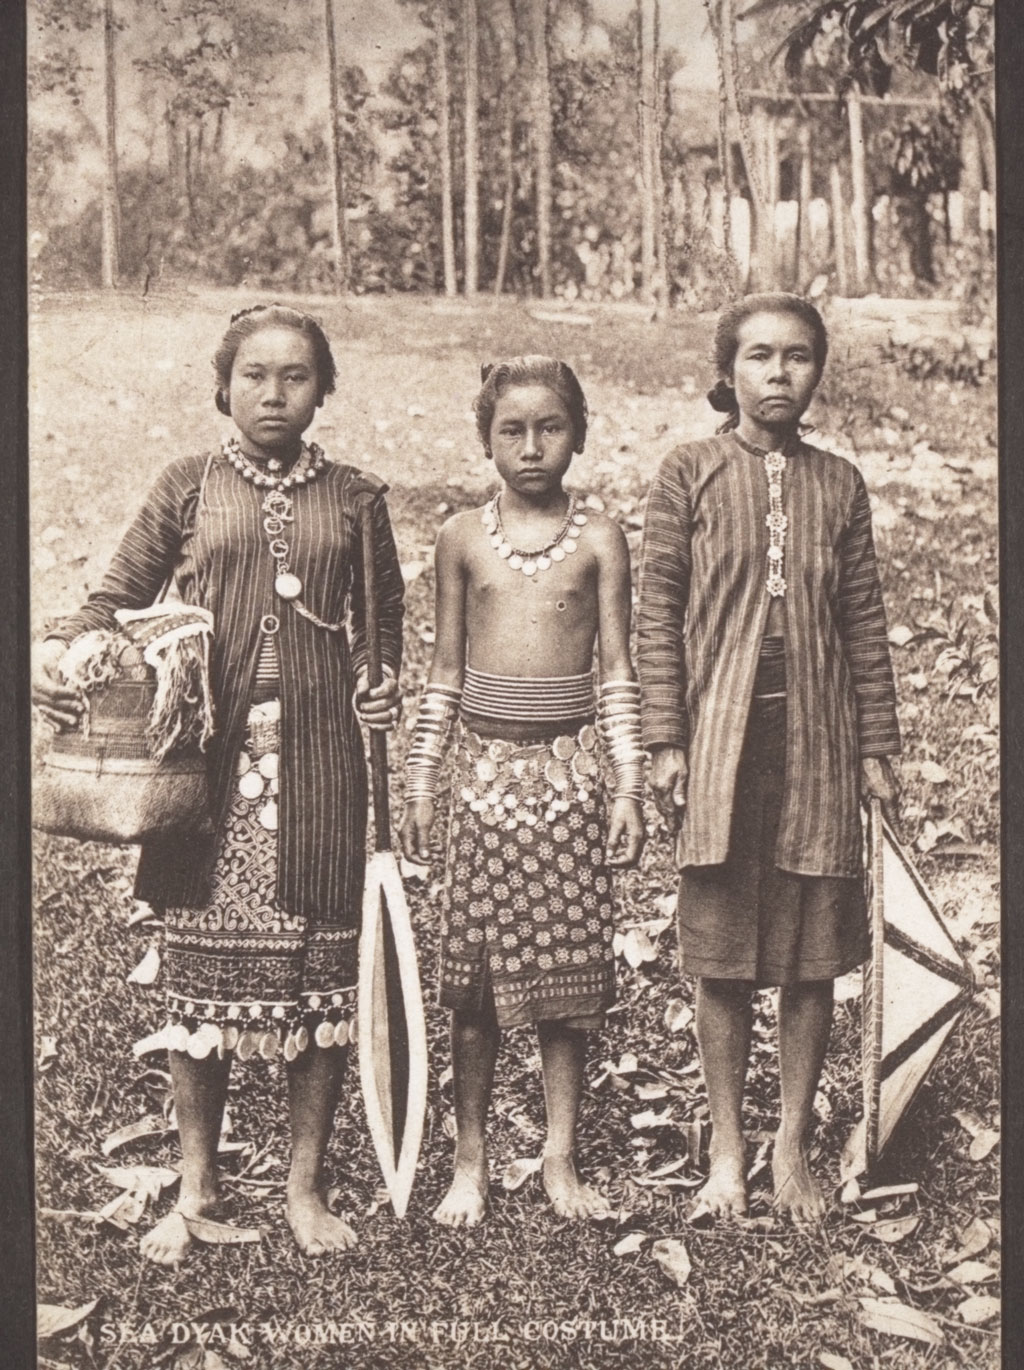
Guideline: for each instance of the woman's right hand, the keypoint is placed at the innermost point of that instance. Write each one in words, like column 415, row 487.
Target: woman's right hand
column 668, row 781
column 60, row 704
column 417, row 822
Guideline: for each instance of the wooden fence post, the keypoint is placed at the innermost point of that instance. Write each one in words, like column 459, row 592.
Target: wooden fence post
column 839, row 230
column 859, row 204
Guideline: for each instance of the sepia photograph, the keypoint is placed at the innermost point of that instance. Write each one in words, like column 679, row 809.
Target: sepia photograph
column 513, row 496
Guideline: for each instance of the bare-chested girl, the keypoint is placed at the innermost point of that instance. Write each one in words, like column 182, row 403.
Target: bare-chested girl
column 525, row 588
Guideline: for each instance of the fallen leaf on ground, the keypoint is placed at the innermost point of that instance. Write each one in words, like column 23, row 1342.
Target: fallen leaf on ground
column 900, row 635
column 976, row 1236
column 221, row 1234
column 648, row 1118
column 983, row 1143
column 890, row 1191
column 627, row 1245
column 518, row 1172
column 68, row 1215
column 979, row 1309
column 141, row 913
column 124, row 1210
column 900, row 1320
column 133, row 1132
column 47, row 1051
column 678, row 1015
column 832, row 1362
column 52, row 1318
column 882, row 1280
column 635, row 947
column 673, row 1257
column 145, row 1179
column 934, row 773
column 850, row 1193
column 971, row 1272
column 651, row 1091
column 969, row 1121
column 669, row 1169
column 147, row 970
column 895, row 1229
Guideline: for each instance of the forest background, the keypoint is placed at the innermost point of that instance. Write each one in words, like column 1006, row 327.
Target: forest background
column 593, row 181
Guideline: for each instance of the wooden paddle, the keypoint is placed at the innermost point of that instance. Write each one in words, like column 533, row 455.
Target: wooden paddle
column 391, row 1029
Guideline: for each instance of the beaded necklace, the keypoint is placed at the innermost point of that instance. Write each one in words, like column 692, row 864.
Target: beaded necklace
column 540, row 559
column 278, row 512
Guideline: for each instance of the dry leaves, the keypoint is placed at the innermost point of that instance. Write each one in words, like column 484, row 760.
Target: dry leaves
column 52, row 1318
column 221, row 1234
column 518, row 1172
column 979, row 1309
column 673, row 1257
column 983, row 1138
column 133, row 1132
column 146, row 972
column 900, row 1320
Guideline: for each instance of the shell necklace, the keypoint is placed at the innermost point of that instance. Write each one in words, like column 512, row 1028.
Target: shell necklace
column 540, row 559
column 277, row 514
column 775, row 583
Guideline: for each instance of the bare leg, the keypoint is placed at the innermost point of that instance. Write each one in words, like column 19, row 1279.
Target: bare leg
column 314, row 1083
column 805, row 1021
column 200, row 1089
column 563, row 1053
column 475, row 1040
column 723, row 1021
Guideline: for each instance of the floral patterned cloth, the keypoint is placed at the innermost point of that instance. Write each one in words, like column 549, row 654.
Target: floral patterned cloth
column 528, row 908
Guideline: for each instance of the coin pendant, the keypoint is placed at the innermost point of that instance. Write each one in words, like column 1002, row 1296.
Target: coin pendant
column 569, row 545
column 498, row 750
column 301, row 1038
column 341, row 1034
column 270, row 1045
column 177, row 1037
column 558, row 553
column 505, row 550
column 290, row 1049
column 199, row 1047
column 268, row 816
column 243, row 763
column 588, row 737
column 529, row 568
column 564, row 746
column 268, row 765
column 246, row 1046
column 324, row 1035
column 288, row 586
column 352, row 1030
column 515, row 561
column 230, row 1037
column 250, row 785
column 542, row 563
column 486, row 769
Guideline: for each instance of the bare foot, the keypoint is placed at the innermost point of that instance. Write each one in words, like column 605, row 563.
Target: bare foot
column 316, row 1230
column 466, row 1201
column 168, row 1241
column 570, row 1197
column 725, row 1194
column 796, row 1190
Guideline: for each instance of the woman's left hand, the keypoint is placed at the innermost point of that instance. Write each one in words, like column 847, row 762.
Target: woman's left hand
column 878, row 781
column 380, row 708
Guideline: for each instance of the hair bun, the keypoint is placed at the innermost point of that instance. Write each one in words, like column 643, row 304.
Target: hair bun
column 485, row 370
column 722, row 397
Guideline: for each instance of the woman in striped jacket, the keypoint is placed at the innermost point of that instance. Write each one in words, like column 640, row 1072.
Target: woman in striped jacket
column 262, row 914
column 769, row 708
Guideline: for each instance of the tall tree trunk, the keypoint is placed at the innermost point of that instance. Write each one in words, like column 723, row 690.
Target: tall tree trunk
column 648, row 115
column 723, row 28
column 110, row 251
column 339, row 227
column 661, row 286
column 859, row 206
column 541, row 118
column 803, row 250
column 444, row 135
column 472, row 121
column 508, row 160
column 842, row 265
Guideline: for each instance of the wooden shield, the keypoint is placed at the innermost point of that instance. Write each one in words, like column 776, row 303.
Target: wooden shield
column 916, row 985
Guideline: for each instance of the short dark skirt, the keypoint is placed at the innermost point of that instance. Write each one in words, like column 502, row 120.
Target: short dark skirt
column 748, row 920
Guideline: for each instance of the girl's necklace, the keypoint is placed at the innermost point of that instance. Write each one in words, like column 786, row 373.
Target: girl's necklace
column 540, row 559
column 278, row 512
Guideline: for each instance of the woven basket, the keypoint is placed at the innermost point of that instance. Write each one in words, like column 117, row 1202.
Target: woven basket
column 107, row 787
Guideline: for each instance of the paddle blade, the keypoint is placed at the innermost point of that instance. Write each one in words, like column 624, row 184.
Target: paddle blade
column 392, row 1030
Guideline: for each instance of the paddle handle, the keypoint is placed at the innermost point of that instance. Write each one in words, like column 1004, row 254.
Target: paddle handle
column 375, row 671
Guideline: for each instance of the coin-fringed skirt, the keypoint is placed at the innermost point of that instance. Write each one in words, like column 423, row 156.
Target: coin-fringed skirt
column 528, row 905
column 242, row 974
column 747, row 919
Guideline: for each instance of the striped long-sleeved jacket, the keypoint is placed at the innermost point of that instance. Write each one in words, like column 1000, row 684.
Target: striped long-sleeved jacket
column 702, row 614
column 219, row 558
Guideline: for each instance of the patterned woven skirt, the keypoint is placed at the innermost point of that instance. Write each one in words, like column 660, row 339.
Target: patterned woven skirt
column 747, row 919
column 242, row 974
column 528, row 907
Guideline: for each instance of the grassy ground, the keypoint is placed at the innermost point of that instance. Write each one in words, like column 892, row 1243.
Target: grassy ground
column 118, row 389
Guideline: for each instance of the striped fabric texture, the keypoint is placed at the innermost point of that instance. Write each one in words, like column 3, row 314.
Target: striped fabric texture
column 220, row 560
column 701, row 617
column 542, row 698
